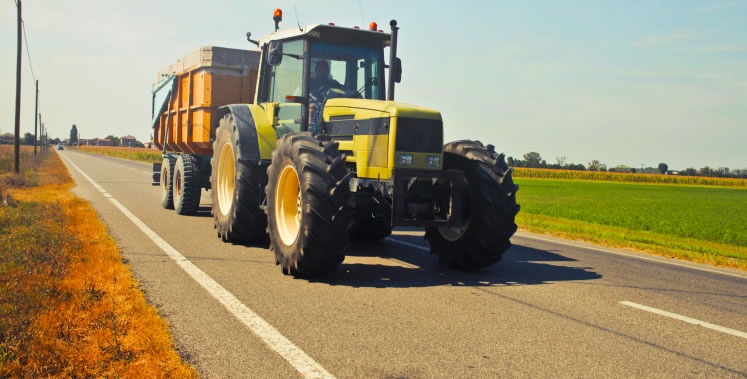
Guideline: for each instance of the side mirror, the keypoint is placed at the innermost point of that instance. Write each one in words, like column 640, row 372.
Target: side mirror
column 397, row 71
column 274, row 53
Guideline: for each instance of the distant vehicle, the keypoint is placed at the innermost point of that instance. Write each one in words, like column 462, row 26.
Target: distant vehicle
column 59, row 147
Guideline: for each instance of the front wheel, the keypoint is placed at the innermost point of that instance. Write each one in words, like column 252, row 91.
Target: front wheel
column 489, row 209
column 308, row 197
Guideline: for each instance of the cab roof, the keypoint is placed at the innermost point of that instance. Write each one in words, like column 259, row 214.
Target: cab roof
column 331, row 33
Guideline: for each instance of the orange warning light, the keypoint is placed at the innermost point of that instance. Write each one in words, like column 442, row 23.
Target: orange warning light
column 278, row 13
column 373, row 26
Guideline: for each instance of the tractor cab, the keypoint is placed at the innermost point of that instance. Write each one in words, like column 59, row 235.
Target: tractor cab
column 300, row 69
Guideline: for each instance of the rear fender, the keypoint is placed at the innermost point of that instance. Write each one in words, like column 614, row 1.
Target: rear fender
column 257, row 137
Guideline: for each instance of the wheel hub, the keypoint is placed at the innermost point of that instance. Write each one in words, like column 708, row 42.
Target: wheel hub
column 288, row 205
column 225, row 179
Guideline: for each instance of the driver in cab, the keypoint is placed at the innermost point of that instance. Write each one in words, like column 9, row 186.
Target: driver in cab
column 318, row 88
column 322, row 79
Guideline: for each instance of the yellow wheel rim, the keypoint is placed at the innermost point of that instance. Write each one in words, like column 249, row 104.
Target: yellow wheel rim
column 225, row 179
column 288, row 205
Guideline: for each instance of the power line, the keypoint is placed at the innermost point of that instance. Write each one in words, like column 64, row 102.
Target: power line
column 360, row 6
column 28, row 54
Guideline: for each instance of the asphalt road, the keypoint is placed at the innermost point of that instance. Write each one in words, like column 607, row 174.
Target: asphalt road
column 549, row 308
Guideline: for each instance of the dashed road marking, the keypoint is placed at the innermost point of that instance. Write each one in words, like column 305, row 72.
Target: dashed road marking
column 297, row 358
column 686, row 319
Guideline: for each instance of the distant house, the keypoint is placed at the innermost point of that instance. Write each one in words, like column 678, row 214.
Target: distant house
column 103, row 142
column 128, row 141
column 7, row 139
column 149, row 145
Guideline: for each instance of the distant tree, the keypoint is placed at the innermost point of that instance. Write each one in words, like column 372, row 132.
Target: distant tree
column 510, row 160
column 115, row 140
column 55, row 141
column 689, row 172
column 633, row 170
column 73, row 135
column 533, row 159
column 621, row 168
column 705, row 171
column 663, row 168
column 27, row 139
column 596, row 165
column 722, row 172
column 560, row 160
column 576, row 166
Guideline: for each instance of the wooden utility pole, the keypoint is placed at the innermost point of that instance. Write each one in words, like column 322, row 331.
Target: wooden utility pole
column 18, row 94
column 36, row 113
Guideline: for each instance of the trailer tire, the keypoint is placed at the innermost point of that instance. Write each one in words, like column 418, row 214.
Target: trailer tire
column 167, row 184
column 186, row 187
column 235, row 189
column 372, row 222
column 308, row 205
column 489, row 208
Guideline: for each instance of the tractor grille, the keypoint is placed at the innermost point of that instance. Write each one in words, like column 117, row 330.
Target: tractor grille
column 419, row 135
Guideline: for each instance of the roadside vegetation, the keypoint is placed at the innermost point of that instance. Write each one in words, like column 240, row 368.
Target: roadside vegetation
column 132, row 153
column 699, row 223
column 69, row 307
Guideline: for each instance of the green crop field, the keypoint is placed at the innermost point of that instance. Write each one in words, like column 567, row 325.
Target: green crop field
column 702, row 223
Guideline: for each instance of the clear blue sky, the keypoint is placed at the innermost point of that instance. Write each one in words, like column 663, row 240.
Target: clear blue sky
column 634, row 82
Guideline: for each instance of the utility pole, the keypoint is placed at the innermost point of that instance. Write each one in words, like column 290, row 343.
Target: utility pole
column 18, row 94
column 36, row 113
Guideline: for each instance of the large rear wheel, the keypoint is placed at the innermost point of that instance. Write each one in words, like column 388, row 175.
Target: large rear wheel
column 489, row 208
column 235, row 189
column 308, row 214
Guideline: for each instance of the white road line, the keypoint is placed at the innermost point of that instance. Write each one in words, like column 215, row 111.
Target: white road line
column 271, row 336
column 390, row 239
column 686, row 319
column 587, row 247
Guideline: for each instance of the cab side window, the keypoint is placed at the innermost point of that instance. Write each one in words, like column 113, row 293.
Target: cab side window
column 285, row 79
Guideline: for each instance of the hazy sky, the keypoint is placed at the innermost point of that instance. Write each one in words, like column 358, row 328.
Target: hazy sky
column 631, row 82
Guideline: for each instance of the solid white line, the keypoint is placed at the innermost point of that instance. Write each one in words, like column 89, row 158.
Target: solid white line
column 390, row 239
column 585, row 246
column 686, row 319
column 271, row 336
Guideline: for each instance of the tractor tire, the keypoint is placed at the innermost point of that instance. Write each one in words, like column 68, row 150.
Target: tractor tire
column 372, row 221
column 235, row 189
column 186, row 185
column 489, row 209
column 167, row 183
column 308, row 205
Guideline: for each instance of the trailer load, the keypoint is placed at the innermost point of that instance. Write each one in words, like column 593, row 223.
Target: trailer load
column 302, row 143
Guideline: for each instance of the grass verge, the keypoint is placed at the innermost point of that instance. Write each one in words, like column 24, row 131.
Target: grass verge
column 696, row 223
column 132, row 153
column 68, row 305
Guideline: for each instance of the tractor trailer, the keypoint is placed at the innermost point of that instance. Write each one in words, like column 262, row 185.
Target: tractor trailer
column 302, row 142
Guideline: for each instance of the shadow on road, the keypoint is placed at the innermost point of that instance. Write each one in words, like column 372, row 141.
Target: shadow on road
column 520, row 265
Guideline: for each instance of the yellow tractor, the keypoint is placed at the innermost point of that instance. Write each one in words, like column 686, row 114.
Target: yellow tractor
column 324, row 155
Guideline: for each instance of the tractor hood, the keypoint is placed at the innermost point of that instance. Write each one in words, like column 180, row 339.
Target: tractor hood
column 340, row 106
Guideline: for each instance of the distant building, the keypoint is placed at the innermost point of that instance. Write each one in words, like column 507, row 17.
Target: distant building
column 7, row 139
column 128, row 141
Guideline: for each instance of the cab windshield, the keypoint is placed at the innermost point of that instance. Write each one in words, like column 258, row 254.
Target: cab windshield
column 353, row 71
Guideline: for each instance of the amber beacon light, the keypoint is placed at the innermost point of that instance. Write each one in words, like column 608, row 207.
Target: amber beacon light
column 373, row 26
column 277, row 16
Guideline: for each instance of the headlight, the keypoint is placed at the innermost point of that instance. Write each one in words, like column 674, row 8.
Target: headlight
column 404, row 160
column 432, row 161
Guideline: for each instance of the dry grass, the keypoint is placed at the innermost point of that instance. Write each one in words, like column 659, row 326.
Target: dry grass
column 69, row 307
column 543, row 173
column 131, row 153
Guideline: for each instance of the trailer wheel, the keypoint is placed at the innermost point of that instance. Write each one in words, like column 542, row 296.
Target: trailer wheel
column 308, row 205
column 186, row 185
column 235, row 189
column 372, row 221
column 167, row 184
column 489, row 209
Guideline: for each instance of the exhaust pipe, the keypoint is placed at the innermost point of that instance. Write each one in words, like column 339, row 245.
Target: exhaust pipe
column 392, row 60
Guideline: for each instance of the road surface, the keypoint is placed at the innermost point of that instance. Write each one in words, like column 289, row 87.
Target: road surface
column 550, row 308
